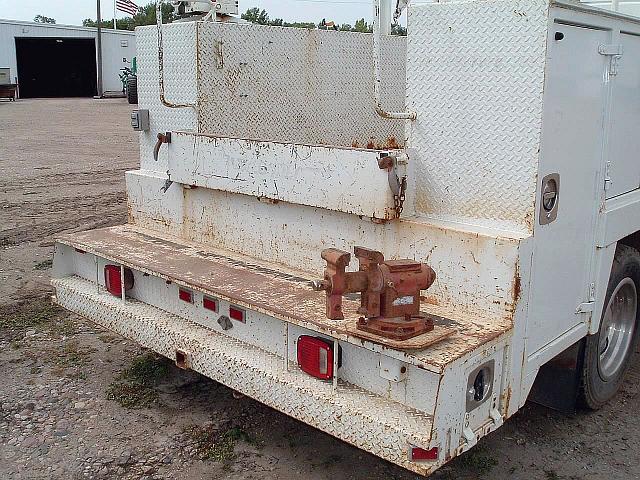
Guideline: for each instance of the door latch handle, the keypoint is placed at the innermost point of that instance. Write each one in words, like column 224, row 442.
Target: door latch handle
column 162, row 138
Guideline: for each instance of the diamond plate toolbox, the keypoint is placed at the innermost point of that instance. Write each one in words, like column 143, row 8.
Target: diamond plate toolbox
column 297, row 85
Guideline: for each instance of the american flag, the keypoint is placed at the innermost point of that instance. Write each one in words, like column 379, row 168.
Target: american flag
column 127, row 6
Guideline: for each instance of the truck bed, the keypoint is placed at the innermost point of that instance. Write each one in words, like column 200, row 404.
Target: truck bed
column 280, row 292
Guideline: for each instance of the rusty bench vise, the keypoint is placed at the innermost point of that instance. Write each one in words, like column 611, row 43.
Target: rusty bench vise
column 389, row 291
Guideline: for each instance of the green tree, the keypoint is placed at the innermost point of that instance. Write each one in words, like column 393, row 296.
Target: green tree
column 397, row 29
column 345, row 27
column 43, row 19
column 145, row 16
column 362, row 26
column 255, row 15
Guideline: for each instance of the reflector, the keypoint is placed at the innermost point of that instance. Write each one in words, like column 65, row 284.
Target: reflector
column 418, row 454
column 237, row 314
column 210, row 304
column 315, row 357
column 185, row 295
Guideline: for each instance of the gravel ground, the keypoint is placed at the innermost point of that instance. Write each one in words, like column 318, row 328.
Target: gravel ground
column 79, row 402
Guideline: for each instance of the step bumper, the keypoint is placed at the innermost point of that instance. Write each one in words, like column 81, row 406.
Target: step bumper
column 380, row 426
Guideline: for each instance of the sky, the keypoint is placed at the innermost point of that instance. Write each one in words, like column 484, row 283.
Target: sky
column 72, row 12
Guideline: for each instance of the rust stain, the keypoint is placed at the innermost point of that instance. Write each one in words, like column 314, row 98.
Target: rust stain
column 507, row 399
column 391, row 143
column 517, row 286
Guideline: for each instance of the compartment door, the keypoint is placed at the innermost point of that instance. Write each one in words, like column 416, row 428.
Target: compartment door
column 624, row 141
column 572, row 140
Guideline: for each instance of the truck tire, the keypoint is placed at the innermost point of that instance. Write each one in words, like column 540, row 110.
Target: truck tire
column 609, row 352
column 132, row 90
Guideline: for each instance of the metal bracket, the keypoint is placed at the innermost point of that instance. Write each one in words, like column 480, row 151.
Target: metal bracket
column 167, row 183
column 588, row 307
column 614, row 51
column 585, row 307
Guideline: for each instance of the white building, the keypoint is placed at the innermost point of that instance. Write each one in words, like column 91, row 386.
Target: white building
column 49, row 60
column 628, row 7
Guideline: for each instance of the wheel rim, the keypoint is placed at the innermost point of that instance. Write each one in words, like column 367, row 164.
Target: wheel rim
column 617, row 329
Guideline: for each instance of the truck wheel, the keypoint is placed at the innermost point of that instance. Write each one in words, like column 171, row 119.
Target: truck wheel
column 608, row 353
column 132, row 89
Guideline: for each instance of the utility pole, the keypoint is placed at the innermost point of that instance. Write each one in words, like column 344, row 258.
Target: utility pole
column 99, row 47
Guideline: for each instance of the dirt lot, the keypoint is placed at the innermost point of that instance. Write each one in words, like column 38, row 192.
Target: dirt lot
column 79, row 402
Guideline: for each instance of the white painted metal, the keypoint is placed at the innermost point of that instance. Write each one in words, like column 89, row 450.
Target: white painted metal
column 571, row 146
column 343, row 179
column 476, row 271
column 624, row 143
column 116, row 46
column 477, row 133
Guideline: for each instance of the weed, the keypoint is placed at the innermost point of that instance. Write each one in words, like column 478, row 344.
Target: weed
column 72, row 355
column 479, row 462
column 108, row 338
column 131, row 396
column 146, row 370
column 17, row 318
column 551, row 475
column 44, row 265
column 217, row 445
column 133, row 388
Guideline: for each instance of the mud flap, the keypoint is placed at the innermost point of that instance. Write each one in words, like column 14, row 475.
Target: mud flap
column 558, row 381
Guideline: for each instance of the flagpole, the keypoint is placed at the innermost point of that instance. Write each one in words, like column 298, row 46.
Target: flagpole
column 99, row 48
column 115, row 27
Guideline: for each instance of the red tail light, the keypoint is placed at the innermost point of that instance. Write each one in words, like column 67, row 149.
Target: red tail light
column 113, row 281
column 315, row 357
column 419, row 454
column 237, row 314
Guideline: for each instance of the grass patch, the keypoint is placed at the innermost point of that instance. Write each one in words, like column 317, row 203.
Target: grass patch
column 72, row 355
column 44, row 265
column 108, row 338
column 551, row 475
column 478, row 461
column 131, row 396
column 134, row 387
column 36, row 313
column 217, row 444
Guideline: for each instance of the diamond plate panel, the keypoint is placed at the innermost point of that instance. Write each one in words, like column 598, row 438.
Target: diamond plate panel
column 297, row 86
column 179, row 41
column 475, row 77
column 368, row 421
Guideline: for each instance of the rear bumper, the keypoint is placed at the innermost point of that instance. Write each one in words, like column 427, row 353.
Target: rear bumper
column 378, row 425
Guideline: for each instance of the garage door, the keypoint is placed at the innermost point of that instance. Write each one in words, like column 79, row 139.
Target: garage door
column 56, row 67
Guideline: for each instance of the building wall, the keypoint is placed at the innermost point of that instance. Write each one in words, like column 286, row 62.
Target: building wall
column 118, row 47
column 628, row 7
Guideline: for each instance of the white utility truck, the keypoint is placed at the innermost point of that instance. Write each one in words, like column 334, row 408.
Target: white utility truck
column 483, row 170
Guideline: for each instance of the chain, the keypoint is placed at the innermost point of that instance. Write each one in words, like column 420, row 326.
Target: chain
column 398, row 200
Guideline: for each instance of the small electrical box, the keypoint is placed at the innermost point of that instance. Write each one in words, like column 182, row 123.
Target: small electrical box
column 140, row 120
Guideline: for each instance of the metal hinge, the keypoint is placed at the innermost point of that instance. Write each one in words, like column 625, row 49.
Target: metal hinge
column 607, row 176
column 613, row 51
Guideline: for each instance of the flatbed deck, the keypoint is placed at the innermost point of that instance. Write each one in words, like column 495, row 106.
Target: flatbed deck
column 280, row 292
